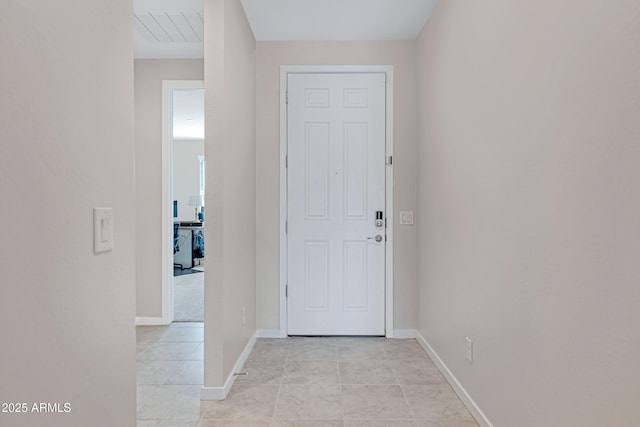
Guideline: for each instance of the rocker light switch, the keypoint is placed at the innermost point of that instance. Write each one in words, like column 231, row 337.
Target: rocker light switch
column 102, row 229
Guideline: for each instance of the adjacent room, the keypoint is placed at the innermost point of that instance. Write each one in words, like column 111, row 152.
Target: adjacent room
column 188, row 195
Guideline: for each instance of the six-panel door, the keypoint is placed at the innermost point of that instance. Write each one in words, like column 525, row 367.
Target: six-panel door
column 336, row 184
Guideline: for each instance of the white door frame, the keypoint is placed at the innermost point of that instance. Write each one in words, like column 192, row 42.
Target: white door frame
column 168, row 87
column 285, row 70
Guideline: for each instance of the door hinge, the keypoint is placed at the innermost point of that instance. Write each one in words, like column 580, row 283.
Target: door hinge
column 286, row 161
column 286, row 227
column 286, row 97
column 390, row 161
column 286, row 291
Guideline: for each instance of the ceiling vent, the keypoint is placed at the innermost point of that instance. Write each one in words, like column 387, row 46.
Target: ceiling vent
column 168, row 28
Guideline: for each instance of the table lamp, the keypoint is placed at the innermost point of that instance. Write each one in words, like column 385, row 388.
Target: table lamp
column 196, row 201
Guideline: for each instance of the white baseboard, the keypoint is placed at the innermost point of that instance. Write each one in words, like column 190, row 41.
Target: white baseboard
column 221, row 393
column 468, row 401
column 269, row 333
column 213, row 393
column 403, row 334
column 150, row 321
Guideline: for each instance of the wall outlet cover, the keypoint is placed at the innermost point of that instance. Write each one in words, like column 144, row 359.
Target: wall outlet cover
column 469, row 350
column 406, row 218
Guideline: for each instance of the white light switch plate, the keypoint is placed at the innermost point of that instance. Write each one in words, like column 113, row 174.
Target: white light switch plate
column 406, row 217
column 102, row 229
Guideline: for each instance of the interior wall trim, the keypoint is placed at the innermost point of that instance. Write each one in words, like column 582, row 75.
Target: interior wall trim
column 462, row 393
column 285, row 70
column 269, row 333
column 221, row 393
column 150, row 321
column 404, row 334
column 168, row 87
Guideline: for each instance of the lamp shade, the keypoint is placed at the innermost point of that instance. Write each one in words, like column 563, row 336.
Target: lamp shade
column 196, row 201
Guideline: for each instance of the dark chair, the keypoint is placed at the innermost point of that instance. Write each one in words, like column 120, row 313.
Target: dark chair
column 176, row 246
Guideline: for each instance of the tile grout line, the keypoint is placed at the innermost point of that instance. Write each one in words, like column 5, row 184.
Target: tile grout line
column 413, row 415
column 340, row 388
column 408, row 403
column 284, row 368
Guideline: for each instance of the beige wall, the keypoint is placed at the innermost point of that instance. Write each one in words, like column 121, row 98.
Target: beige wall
column 186, row 175
column 149, row 74
column 66, row 120
column 270, row 56
column 231, row 187
column 529, row 206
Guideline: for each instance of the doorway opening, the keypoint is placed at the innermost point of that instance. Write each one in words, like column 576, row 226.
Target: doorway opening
column 336, row 154
column 183, row 201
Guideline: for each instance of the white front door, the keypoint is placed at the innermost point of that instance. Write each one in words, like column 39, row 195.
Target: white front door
column 336, row 186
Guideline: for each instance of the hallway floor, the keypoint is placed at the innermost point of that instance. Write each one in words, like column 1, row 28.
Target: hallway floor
column 295, row 382
column 188, row 296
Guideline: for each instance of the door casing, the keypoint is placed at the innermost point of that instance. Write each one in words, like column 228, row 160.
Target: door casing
column 168, row 87
column 285, row 70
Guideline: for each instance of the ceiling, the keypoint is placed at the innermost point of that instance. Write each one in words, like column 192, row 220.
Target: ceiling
column 168, row 28
column 337, row 19
column 175, row 28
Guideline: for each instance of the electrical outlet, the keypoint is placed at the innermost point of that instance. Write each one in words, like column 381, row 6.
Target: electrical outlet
column 244, row 316
column 469, row 350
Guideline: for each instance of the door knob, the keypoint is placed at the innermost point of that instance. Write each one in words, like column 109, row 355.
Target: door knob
column 377, row 238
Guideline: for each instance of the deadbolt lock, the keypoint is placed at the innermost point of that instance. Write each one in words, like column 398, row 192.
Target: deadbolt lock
column 379, row 220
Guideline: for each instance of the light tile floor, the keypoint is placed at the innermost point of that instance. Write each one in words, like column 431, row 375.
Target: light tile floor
column 305, row 382
column 188, row 296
